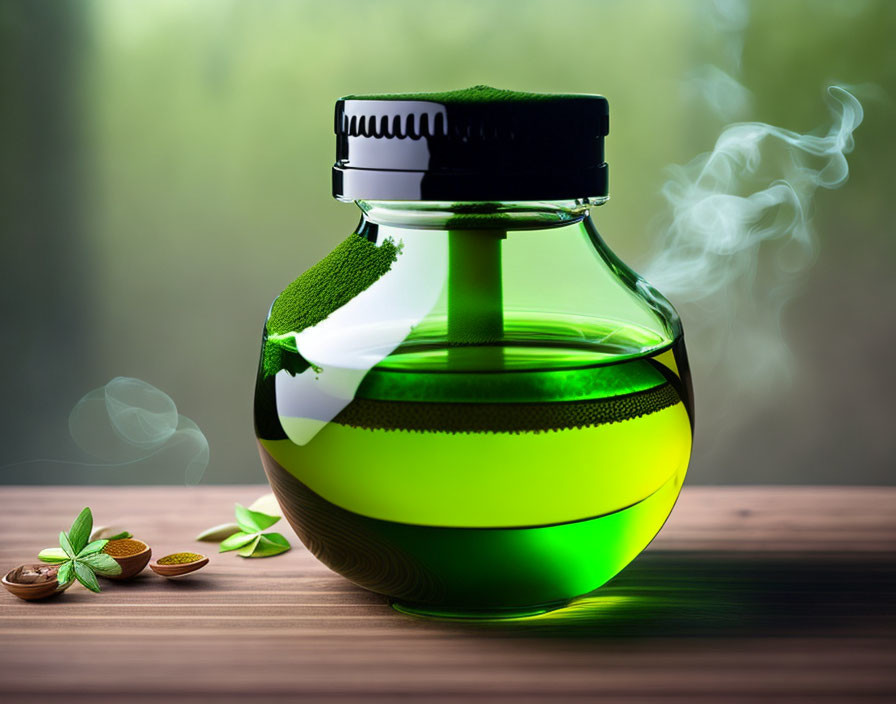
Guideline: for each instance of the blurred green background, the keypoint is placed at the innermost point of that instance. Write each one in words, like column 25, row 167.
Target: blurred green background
column 166, row 172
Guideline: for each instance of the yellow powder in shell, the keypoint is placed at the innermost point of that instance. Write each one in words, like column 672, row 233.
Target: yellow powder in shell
column 124, row 547
column 179, row 558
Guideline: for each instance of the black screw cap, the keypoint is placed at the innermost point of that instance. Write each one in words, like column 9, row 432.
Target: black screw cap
column 477, row 144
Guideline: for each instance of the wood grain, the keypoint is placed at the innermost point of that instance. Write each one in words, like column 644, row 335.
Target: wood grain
column 749, row 594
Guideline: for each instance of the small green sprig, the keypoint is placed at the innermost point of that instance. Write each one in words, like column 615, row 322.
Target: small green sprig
column 247, row 535
column 78, row 557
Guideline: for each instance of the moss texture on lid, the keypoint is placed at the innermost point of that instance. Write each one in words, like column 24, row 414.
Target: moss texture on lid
column 476, row 94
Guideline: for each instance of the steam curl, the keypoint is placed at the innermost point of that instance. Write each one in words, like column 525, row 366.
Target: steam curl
column 128, row 421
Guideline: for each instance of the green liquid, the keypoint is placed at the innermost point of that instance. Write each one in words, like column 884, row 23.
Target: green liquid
column 461, row 492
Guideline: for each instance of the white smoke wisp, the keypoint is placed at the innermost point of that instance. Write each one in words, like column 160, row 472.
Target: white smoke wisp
column 728, row 19
column 129, row 421
column 728, row 218
column 723, row 32
column 135, row 429
column 725, row 96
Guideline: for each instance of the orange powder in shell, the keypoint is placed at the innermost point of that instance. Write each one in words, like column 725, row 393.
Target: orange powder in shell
column 124, row 547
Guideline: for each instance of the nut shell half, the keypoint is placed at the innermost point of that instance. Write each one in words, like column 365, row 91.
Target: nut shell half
column 34, row 590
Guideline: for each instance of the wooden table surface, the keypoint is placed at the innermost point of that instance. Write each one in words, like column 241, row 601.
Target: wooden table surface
column 749, row 594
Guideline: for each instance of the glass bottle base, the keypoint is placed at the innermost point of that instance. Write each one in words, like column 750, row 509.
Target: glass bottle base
column 490, row 614
column 469, row 573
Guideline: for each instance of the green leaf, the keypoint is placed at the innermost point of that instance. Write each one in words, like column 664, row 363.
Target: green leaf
column 101, row 563
column 267, row 547
column 53, row 555
column 216, row 534
column 66, row 545
column 277, row 538
column 64, row 575
column 86, row 576
column 253, row 521
column 93, row 547
column 121, row 536
column 250, row 548
column 79, row 533
column 237, row 541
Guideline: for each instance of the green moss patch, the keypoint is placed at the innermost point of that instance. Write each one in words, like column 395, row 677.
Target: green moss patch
column 351, row 268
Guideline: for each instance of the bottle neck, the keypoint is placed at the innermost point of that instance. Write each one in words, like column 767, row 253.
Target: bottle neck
column 478, row 215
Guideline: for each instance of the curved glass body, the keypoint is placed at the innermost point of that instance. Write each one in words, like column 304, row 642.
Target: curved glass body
column 474, row 408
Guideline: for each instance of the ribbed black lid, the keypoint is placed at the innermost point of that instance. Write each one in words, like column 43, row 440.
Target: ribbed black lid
column 475, row 144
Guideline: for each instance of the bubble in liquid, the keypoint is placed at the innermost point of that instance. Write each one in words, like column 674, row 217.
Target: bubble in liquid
column 129, row 421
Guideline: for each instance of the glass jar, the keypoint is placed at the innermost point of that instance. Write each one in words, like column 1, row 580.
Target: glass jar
column 472, row 406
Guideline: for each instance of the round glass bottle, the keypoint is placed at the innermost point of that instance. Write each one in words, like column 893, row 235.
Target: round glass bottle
column 471, row 405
